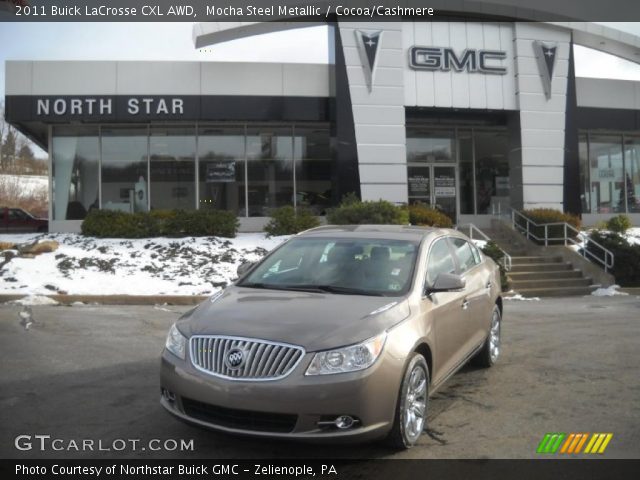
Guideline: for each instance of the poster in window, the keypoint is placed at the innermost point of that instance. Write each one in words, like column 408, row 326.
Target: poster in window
column 221, row 171
column 445, row 186
column 418, row 185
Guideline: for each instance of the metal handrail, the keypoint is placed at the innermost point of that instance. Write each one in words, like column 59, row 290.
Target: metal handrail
column 506, row 258
column 606, row 262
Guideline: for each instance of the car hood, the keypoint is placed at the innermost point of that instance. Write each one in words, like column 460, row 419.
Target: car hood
column 315, row 321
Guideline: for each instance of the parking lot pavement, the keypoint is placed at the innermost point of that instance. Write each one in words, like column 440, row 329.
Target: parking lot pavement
column 91, row 373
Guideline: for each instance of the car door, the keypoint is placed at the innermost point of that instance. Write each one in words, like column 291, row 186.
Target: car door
column 476, row 298
column 445, row 310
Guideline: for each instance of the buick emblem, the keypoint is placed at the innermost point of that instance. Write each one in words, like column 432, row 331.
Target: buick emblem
column 234, row 359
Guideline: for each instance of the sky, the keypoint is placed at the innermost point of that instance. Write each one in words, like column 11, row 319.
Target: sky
column 173, row 41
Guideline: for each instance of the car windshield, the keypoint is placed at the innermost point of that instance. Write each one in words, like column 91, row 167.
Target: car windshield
column 351, row 266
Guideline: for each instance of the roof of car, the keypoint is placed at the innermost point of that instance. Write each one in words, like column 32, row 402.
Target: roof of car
column 407, row 232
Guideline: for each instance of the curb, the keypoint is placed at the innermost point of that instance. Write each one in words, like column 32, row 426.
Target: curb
column 118, row 299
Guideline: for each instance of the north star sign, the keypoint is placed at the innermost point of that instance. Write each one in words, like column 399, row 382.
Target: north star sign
column 446, row 59
column 105, row 106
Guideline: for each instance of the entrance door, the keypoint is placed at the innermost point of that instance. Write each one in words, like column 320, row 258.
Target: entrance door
column 434, row 185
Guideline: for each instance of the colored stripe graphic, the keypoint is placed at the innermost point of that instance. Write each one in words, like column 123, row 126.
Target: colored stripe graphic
column 573, row 443
column 598, row 443
column 551, row 442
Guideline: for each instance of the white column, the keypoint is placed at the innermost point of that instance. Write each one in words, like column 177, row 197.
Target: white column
column 542, row 120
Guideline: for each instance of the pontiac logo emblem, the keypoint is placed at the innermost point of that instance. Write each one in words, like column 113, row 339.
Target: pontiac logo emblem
column 368, row 44
column 546, row 57
column 234, row 359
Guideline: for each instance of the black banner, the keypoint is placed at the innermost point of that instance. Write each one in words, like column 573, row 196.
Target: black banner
column 320, row 469
column 313, row 10
column 143, row 108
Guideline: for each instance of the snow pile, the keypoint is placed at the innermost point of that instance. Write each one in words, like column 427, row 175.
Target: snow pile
column 150, row 266
column 520, row 297
column 633, row 236
column 608, row 291
column 480, row 243
column 34, row 300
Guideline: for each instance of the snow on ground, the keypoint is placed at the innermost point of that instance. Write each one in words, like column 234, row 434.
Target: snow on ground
column 633, row 235
column 34, row 300
column 28, row 184
column 608, row 291
column 150, row 266
column 511, row 295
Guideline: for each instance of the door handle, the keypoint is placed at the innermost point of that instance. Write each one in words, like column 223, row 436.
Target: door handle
column 465, row 304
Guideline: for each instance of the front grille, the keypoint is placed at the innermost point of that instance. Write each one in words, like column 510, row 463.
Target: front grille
column 260, row 359
column 239, row 419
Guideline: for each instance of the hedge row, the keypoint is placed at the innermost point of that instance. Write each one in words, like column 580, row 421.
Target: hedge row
column 170, row 223
column 549, row 215
column 626, row 265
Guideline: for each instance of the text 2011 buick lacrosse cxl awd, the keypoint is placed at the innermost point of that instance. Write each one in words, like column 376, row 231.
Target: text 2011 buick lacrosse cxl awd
column 339, row 333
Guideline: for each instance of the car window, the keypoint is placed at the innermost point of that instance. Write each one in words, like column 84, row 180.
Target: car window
column 368, row 265
column 16, row 214
column 476, row 254
column 440, row 261
column 464, row 252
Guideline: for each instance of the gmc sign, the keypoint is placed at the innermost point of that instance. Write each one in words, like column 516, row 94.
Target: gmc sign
column 446, row 59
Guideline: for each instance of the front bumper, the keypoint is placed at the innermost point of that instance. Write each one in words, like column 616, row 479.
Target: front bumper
column 369, row 396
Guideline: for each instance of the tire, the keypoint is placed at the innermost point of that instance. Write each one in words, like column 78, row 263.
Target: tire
column 414, row 391
column 490, row 352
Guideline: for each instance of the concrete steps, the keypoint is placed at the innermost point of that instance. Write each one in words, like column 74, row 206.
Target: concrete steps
column 539, row 276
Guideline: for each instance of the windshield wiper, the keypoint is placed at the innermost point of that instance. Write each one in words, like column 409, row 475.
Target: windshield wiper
column 294, row 288
column 314, row 289
column 344, row 290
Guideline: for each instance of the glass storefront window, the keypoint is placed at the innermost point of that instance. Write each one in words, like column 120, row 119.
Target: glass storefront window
column 493, row 187
column 314, row 167
column 124, row 169
column 606, row 174
column 172, row 164
column 221, row 153
column 75, row 172
column 430, row 146
column 465, row 147
column 269, row 169
column 157, row 167
column 585, row 189
column 632, row 173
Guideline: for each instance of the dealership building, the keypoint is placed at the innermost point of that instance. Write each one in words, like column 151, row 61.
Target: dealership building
column 472, row 116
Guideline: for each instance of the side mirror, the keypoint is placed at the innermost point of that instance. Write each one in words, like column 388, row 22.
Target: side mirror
column 446, row 282
column 244, row 267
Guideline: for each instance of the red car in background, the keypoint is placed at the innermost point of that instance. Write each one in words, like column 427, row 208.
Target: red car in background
column 16, row 220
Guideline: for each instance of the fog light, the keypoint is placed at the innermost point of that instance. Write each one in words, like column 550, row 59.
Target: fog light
column 168, row 396
column 341, row 422
column 344, row 421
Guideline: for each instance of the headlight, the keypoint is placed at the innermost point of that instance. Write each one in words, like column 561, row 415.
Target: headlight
column 347, row 359
column 176, row 342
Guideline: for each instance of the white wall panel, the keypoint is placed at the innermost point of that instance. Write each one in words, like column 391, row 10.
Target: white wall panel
column 606, row 93
column 460, row 89
column 477, row 83
column 396, row 193
column 18, row 75
column 382, row 174
column 158, row 78
column 74, row 78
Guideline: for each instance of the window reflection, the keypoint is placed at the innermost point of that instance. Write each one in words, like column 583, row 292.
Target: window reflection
column 313, row 168
column 221, row 153
column 75, row 172
column 173, row 166
column 124, row 169
column 269, row 169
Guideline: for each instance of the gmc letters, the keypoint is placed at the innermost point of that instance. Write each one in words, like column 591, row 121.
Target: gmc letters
column 446, row 59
